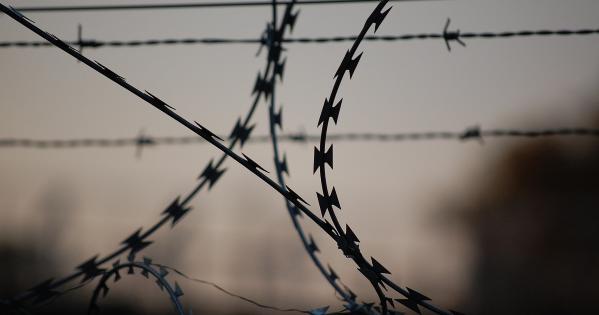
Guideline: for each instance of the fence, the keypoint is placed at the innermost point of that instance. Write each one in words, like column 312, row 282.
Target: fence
column 109, row 267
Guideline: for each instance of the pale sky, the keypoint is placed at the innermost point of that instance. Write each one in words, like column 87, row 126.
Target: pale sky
column 393, row 194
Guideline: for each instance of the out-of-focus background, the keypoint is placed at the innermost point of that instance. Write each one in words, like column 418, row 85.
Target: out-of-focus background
column 506, row 226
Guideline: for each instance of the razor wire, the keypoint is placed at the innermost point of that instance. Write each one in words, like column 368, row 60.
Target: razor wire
column 174, row 291
column 347, row 240
column 280, row 164
column 178, row 208
column 143, row 141
column 159, row 272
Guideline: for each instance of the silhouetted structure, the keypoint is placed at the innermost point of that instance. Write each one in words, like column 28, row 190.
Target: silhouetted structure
column 534, row 226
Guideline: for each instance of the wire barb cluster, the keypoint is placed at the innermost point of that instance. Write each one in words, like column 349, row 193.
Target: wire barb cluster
column 147, row 269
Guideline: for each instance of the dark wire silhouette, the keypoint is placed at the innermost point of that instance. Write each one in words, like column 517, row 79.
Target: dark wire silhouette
column 349, row 64
column 328, row 200
column 147, row 270
column 191, row 5
column 275, row 120
column 447, row 36
column 229, row 293
column 300, row 137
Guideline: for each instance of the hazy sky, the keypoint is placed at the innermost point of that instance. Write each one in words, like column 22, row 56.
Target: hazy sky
column 392, row 193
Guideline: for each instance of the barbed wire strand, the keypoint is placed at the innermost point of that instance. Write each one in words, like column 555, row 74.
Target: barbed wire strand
column 300, row 137
column 237, row 4
column 447, row 36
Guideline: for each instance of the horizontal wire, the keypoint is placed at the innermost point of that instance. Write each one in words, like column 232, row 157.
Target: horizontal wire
column 92, row 43
column 229, row 293
column 142, row 141
column 191, row 5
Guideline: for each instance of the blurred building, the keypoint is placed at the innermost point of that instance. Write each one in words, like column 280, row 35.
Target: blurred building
column 534, row 226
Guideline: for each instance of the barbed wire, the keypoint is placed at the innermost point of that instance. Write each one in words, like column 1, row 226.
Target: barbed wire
column 448, row 36
column 236, row 4
column 472, row 133
column 346, row 240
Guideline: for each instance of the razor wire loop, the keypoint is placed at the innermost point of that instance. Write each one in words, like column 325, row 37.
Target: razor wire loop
column 174, row 212
column 348, row 241
column 281, row 168
column 174, row 291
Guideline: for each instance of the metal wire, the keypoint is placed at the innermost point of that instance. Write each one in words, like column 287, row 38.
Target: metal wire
column 328, row 200
column 448, row 36
column 190, row 5
column 300, row 137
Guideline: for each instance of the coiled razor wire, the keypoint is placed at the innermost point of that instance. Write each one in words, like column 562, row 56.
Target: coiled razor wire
column 179, row 207
column 147, row 270
column 347, row 241
column 281, row 168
